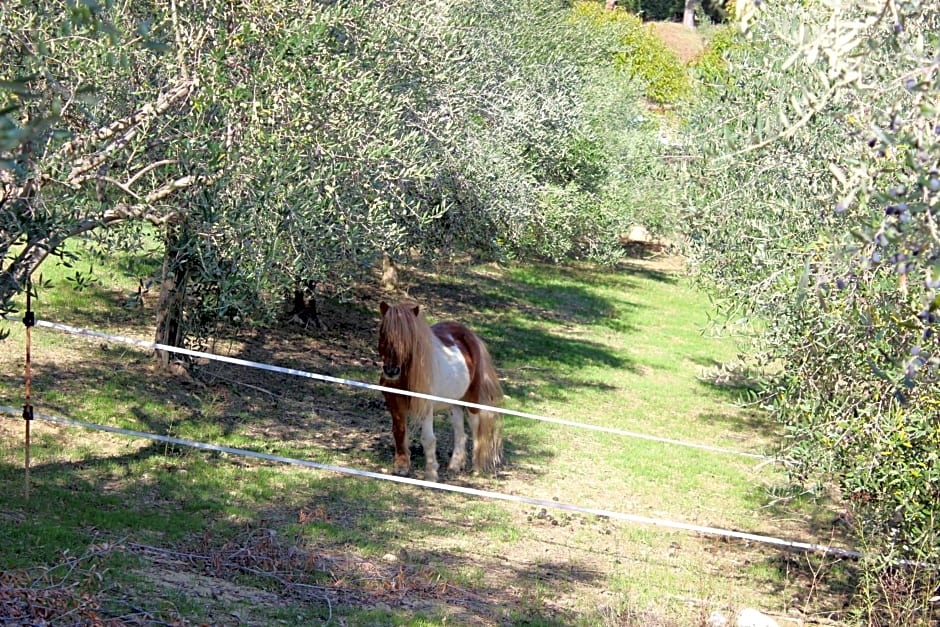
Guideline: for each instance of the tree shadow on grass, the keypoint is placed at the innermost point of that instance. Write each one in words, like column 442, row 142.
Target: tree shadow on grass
column 169, row 502
column 541, row 294
column 746, row 421
column 163, row 494
column 742, row 390
column 524, row 321
column 528, row 323
column 824, row 582
column 532, row 351
column 636, row 268
column 282, row 414
column 95, row 307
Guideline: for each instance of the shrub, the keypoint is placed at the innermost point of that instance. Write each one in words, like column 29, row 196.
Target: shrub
column 595, row 10
column 644, row 55
column 712, row 66
column 640, row 53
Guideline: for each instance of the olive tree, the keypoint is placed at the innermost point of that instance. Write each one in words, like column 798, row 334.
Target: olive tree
column 814, row 211
column 86, row 132
column 359, row 131
column 272, row 147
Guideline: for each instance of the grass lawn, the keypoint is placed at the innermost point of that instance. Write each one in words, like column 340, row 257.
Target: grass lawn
column 148, row 531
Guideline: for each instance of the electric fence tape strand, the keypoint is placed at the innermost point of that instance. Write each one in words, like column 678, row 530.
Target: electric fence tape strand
column 370, row 386
column 512, row 498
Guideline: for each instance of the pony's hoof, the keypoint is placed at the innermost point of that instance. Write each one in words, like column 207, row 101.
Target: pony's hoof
column 456, row 465
column 402, row 465
column 430, row 475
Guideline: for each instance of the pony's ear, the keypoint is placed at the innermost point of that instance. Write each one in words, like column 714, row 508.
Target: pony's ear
column 415, row 309
column 383, row 307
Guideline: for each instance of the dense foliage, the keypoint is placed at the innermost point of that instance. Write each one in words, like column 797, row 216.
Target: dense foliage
column 79, row 149
column 712, row 66
column 277, row 145
column 672, row 10
column 813, row 212
column 425, row 134
column 638, row 52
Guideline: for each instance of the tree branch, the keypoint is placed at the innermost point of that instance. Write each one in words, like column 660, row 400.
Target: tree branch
column 119, row 133
column 14, row 276
column 148, row 168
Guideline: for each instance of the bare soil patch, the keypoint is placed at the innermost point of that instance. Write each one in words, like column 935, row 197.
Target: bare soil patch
column 686, row 42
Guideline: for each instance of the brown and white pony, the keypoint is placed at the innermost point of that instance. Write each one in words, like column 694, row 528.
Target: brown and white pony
column 446, row 360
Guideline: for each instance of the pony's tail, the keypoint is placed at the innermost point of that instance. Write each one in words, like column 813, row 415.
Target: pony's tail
column 488, row 439
column 488, row 442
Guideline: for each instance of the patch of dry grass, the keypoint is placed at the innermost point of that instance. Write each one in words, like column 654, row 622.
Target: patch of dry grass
column 686, row 42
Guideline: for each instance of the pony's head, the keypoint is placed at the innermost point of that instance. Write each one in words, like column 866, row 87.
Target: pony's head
column 398, row 336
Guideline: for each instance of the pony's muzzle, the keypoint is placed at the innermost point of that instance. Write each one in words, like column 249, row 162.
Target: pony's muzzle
column 391, row 372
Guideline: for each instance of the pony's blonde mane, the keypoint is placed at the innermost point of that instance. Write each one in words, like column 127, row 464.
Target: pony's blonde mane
column 411, row 338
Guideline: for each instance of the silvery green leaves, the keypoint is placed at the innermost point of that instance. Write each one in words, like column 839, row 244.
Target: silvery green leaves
column 62, row 162
column 815, row 214
column 276, row 144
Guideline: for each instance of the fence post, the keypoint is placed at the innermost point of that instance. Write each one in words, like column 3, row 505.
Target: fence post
column 29, row 320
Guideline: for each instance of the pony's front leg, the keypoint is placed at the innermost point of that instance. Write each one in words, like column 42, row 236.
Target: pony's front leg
column 429, row 442
column 397, row 408
column 459, row 457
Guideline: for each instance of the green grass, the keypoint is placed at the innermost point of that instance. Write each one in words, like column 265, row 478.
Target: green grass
column 623, row 348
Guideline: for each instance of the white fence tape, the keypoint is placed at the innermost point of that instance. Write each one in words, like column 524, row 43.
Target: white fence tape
column 512, row 498
column 88, row 333
column 632, row 518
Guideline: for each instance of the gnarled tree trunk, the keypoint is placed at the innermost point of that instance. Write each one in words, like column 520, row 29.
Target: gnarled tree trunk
column 688, row 15
column 170, row 308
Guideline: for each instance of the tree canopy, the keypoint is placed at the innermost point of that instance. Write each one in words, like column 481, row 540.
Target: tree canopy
column 813, row 211
column 275, row 145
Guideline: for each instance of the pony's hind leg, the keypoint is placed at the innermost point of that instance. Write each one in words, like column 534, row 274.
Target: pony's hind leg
column 459, row 457
column 474, row 420
column 429, row 442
